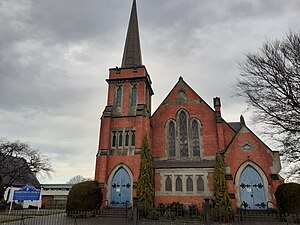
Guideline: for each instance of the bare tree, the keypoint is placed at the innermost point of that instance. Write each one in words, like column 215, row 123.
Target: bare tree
column 270, row 82
column 19, row 164
column 78, row 179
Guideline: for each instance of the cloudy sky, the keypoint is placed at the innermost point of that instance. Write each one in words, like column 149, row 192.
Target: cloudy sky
column 55, row 56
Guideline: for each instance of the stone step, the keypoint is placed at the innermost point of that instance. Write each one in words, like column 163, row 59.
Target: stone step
column 112, row 212
column 260, row 217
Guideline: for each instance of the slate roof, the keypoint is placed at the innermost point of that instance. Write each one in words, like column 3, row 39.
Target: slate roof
column 235, row 126
column 132, row 56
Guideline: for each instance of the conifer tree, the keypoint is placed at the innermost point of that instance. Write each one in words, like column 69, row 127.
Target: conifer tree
column 145, row 186
column 221, row 211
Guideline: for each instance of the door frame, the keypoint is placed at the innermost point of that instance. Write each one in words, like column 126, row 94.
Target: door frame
column 238, row 176
column 111, row 176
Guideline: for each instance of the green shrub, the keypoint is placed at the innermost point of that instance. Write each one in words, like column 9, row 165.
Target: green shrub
column 84, row 196
column 288, row 198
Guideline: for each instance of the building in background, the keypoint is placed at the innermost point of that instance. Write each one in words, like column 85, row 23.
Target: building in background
column 185, row 133
column 54, row 196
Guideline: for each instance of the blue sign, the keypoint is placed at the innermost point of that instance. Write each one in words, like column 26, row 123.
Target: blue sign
column 27, row 193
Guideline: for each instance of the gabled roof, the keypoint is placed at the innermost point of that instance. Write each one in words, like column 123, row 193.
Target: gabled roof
column 181, row 81
column 238, row 132
column 132, row 56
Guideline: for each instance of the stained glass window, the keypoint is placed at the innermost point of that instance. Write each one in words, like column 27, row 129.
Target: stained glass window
column 168, row 184
column 195, row 138
column 171, row 139
column 183, row 137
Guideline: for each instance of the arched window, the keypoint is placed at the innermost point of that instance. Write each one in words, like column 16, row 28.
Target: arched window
column 133, row 95
column 171, row 139
column 119, row 96
column 178, row 184
column 168, row 184
column 183, row 134
column 200, row 184
column 189, row 184
column 195, row 138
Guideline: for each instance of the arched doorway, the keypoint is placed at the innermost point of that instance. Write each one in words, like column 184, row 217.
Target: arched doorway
column 252, row 190
column 120, row 189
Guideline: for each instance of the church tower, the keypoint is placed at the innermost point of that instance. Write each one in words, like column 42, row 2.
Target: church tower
column 124, row 122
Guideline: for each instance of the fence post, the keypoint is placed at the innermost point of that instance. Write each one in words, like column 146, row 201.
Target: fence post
column 135, row 210
column 206, row 211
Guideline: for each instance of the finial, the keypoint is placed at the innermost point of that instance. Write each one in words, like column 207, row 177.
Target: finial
column 242, row 121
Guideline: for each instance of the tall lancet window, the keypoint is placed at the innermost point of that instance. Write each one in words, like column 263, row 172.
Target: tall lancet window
column 183, row 135
column 133, row 95
column 171, row 139
column 119, row 96
column 195, row 138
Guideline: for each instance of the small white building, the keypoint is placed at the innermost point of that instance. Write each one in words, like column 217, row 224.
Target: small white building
column 56, row 193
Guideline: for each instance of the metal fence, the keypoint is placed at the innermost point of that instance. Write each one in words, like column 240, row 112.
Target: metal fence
column 57, row 217
column 162, row 215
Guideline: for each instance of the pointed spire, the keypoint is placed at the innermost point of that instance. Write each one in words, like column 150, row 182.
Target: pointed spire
column 132, row 51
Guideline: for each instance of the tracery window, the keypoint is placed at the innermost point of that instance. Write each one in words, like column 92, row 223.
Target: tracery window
column 171, row 139
column 183, row 135
column 195, row 139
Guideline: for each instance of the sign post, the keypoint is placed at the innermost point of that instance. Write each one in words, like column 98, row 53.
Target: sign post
column 26, row 193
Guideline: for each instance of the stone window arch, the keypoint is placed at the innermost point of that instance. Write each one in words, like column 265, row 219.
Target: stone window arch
column 183, row 139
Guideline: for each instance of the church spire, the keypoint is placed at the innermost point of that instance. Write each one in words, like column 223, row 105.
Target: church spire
column 132, row 56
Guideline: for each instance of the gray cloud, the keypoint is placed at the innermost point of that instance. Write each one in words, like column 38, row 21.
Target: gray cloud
column 55, row 55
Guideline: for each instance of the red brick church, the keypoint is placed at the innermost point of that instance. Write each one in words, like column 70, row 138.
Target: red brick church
column 184, row 133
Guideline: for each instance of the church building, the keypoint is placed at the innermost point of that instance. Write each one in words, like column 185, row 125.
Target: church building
column 184, row 134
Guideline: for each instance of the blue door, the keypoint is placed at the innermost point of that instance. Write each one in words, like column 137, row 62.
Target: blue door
column 120, row 189
column 252, row 190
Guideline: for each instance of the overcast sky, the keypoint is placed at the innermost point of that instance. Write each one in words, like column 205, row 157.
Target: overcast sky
column 55, row 56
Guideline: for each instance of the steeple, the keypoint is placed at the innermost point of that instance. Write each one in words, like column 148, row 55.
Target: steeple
column 132, row 56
